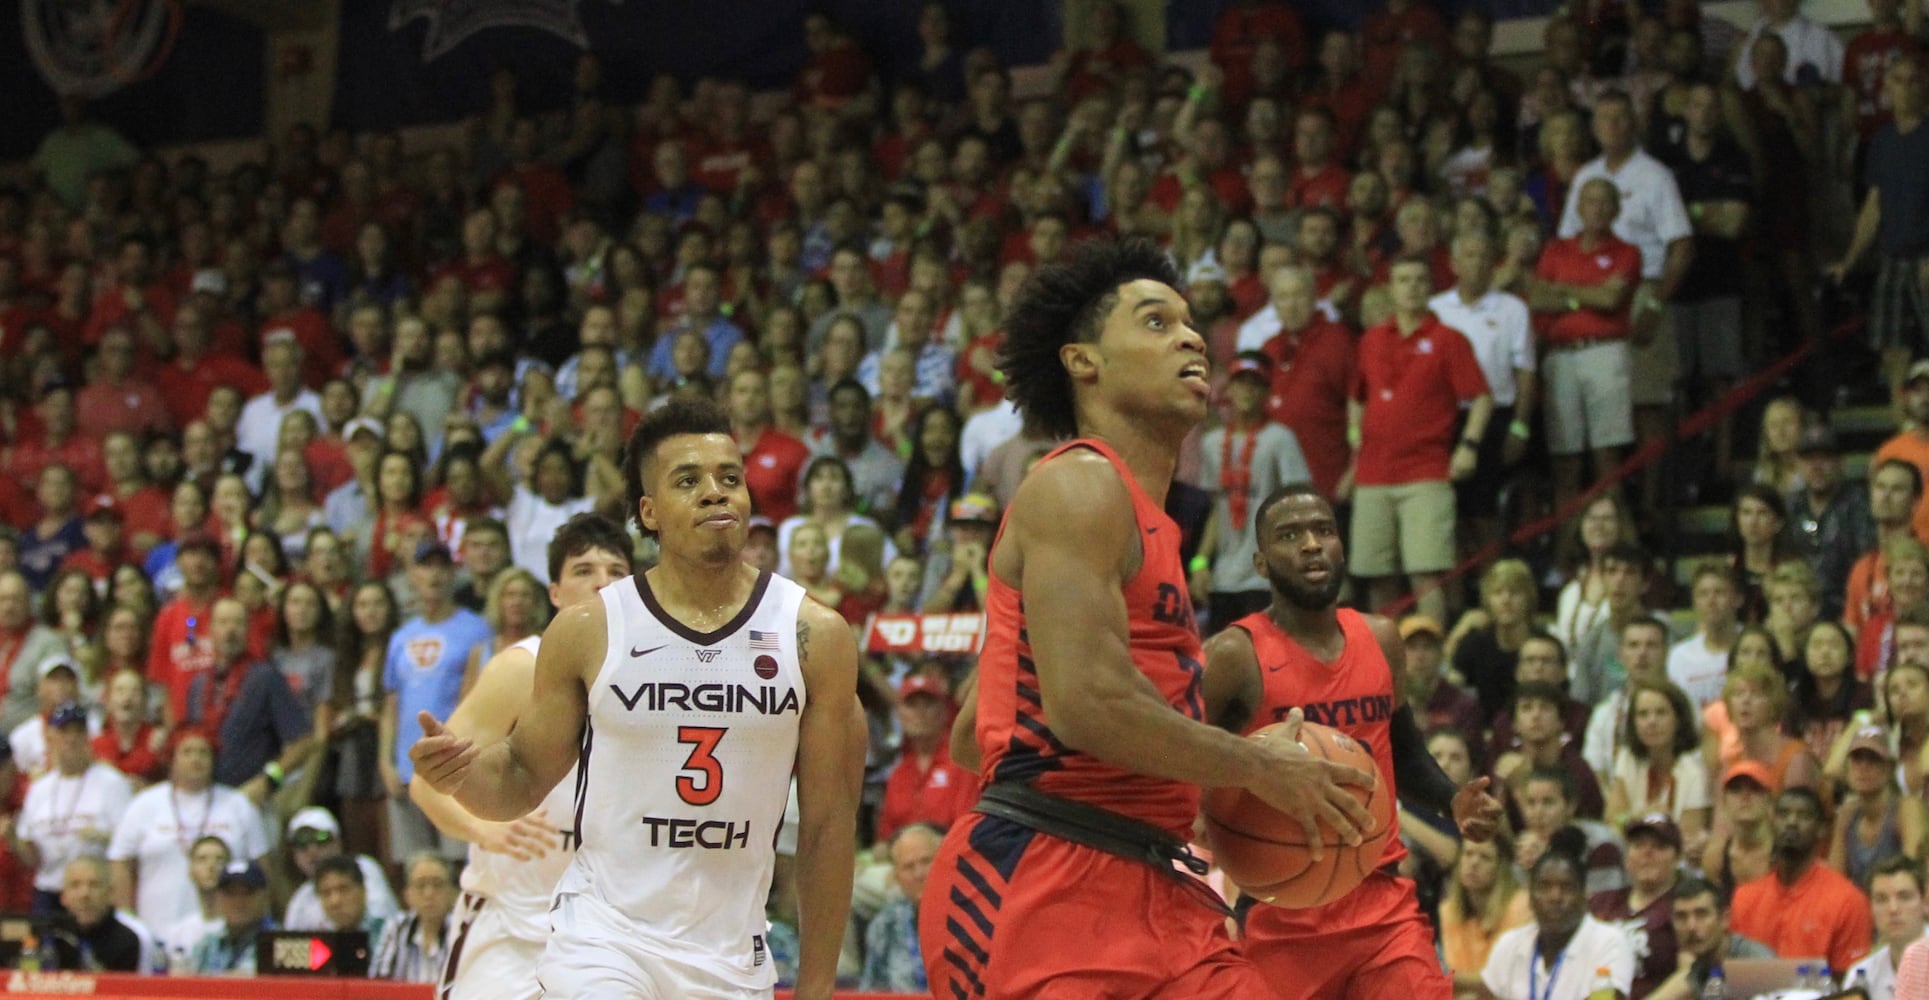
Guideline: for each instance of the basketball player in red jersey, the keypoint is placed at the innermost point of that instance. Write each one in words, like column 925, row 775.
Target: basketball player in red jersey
column 1342, row 669
column 1089, row 701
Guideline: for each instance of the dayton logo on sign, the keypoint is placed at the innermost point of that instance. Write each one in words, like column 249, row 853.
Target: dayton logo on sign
column 453, row 21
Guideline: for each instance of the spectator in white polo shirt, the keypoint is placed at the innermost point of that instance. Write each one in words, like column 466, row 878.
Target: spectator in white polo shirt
column 1499, row 329
column 1814, row 53
column 1653, row 218
column 1896, row 902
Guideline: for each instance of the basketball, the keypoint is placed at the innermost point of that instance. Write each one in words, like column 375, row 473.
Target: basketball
column 1264, row 851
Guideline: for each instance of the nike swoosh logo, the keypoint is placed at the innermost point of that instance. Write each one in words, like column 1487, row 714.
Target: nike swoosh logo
column 643, row 652
column 1152, row 530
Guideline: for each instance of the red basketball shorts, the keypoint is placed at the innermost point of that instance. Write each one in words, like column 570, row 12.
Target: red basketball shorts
column 1013, row 914
column 1370, row 944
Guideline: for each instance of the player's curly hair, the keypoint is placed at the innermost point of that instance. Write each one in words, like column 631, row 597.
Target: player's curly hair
column 1062, row 304
column 677, row 417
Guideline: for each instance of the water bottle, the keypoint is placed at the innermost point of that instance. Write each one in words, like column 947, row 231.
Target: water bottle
column 1804, row 977
column 1717, row 985
column 1824, row 978
column 1858, row 980
column 1603, row 981
column 29, row 954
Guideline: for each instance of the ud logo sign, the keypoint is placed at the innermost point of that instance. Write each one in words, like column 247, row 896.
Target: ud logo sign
column 88, row 49
column 452, row 21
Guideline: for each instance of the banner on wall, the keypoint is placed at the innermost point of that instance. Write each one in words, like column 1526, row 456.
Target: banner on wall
column 925, row 635
column 453, row 21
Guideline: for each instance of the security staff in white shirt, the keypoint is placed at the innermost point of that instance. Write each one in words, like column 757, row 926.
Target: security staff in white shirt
column 1564, row 954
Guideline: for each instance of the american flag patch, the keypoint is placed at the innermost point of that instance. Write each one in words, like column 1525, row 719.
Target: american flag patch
column 763, row 640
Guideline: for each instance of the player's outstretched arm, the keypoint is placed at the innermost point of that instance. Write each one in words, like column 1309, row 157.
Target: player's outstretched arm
column 830, row 779
column 507, row 777
column 1070, row 570
column 484, row 716
column 1418, row 779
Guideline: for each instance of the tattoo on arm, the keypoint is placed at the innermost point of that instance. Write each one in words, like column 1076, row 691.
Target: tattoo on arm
column 803, row 642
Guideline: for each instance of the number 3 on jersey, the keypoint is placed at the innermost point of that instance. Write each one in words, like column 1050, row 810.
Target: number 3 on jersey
column 702, row 788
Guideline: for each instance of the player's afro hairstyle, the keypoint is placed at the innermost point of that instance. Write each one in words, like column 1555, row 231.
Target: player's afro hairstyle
column 1063, row 304
column 679, row 416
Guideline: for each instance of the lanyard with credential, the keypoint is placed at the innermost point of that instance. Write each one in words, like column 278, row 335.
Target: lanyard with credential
column 1533, row 974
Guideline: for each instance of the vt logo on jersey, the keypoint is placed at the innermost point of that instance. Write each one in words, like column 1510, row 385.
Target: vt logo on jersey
column 707, row 655
column 1343, row 711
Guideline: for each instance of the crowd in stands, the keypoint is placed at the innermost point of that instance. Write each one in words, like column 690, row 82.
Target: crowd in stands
column 282, row 446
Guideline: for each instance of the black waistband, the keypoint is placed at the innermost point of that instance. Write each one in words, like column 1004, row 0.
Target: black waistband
column 1099, row 829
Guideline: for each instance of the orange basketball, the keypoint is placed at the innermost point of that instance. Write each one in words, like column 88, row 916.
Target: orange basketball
column 1264, row 851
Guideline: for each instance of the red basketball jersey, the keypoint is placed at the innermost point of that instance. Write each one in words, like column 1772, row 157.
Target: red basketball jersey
column 1353, row 694
column 1013, row 733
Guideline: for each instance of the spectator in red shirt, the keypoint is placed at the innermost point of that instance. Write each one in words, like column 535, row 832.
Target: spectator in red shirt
column 1241, row 28
column 1802, row 906
column 128, row 742
column 1414, row 375
column 59, row 443
column 187, row 380
column 1341, row 89
column 925, row 786
column 1580, row 295
column 16, row 877
column 142, row 505
column 137, row 300
column 182, row 642
column 772, row 459
column 1317, row 178
column 546, row 193
column 283, row 315
column 837, row 72
column 1390, row 32
column 114, row 399
column 1312, row 372
column 483, row 273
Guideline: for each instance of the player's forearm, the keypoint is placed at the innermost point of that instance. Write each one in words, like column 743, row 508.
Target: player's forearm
column 1417, row 776
column 499, row 785
column 1135, row 730
column 1478, row 415
column 826, row 864
column 444, row 812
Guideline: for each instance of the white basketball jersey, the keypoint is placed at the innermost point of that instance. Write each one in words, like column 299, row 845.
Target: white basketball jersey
column 685, row 770
column 523, row 890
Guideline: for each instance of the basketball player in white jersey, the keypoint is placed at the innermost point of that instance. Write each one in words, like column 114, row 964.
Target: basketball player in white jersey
column 686, row 696
column 502, row 919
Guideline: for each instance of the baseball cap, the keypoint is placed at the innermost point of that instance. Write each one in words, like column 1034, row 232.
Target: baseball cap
column 1872, row 739
column 1753, row 770
column 1251, row 365
column 210, row 280
column 242, row 874
column 362, row 425
column 1659, row 824
column 67, row 713
column 1206, row 270
column 1918, row 370
column 758, row 521
column 1413, row 625
column 198, row 539
column 1816, row 437
column 433, row 549
column 104, row 506
column 975, row 507
column 313, row 820
column 917, row 684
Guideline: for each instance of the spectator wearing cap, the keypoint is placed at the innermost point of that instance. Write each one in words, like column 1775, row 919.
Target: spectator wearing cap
column 1830, row 515
column 1313, row 368
column 1802, row 906
column 1703, row 940
column 349, row 508
column 1439, row 702
column 875, row 470
column 1896, row 902
column 1875, row 821
column 25, row 645
column 1242, row 461
column 150, row 850
column 71, row 810
column 58, row 443
column 1644, row 910
column 1415, row 374
column 261, row 727
column 181, row 645
column 241, row 898
column 1895, row 220
column 115, row 398
column 924, row 786
column 58, row 684
column 1500, row 330
column 258, row 431
column 57, row 533
column 956, row 574
column 423, row 672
